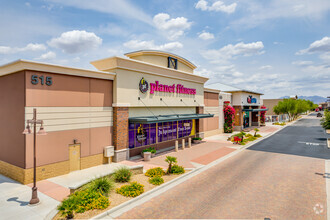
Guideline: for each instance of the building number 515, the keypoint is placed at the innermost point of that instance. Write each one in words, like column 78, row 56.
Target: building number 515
column 35, row 80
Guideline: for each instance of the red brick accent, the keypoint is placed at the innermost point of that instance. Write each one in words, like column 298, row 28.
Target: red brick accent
column 120, row 127
column 199, row 122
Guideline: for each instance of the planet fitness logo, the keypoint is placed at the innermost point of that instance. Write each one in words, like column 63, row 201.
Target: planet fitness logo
column 143, row 85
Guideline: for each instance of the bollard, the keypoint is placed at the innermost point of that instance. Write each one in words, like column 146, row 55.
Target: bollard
column 189, row 142
column 176, row 146
column 183, row 142
column 147, row 156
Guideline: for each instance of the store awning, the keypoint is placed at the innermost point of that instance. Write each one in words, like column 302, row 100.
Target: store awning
column 255, row 110
column 167, row 118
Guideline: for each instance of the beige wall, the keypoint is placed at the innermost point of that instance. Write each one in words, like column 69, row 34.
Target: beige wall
column 211, row 101
column 162, row 61
column 12, row 119
column 270, row 103
column 127, row 85
column 240, row 98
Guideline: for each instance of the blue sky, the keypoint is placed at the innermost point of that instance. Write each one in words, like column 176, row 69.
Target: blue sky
column 277, row 47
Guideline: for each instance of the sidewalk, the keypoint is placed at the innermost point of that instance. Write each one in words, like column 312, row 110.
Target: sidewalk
column 211, row 149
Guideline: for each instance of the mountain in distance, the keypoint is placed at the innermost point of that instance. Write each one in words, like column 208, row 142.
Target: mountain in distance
column 316, row 99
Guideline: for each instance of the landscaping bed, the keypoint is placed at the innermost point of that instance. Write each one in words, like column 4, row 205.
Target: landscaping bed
column 243, row 138
column 136, row 185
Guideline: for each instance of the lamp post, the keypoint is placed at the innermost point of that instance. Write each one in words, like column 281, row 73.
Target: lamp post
column 34, row 122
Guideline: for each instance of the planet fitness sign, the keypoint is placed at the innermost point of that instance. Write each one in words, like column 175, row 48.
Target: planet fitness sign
column 156, row 87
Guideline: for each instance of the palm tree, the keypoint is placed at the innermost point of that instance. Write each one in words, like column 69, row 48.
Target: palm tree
column 255, row 133
column 170, row 160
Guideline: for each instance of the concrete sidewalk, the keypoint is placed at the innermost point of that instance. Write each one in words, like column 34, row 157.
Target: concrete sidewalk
column 211, row 149
column 14, row 201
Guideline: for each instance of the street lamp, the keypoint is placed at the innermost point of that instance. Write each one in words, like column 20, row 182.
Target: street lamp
column 29, row 123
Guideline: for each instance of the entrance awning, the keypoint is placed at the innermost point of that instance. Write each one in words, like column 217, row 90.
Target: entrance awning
column 167, row 118
column 255, row 110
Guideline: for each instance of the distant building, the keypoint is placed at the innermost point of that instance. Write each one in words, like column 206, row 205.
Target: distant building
column 271, row 116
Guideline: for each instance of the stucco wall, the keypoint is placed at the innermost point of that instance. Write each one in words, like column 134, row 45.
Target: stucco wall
column 211, row 101
column 270, row 103
column 127, row 86
column 240, row 98
column 162, row 61
column 12, row 119
column 72, row 108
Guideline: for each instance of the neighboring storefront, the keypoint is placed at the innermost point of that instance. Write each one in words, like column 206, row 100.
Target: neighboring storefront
column 246, row 104
column 150, row 99
column 271, row 116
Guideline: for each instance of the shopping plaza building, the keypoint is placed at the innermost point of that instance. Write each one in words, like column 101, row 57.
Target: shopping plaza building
column 147, row 99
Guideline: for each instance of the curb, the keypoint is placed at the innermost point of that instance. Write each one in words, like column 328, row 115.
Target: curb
column 138, row 199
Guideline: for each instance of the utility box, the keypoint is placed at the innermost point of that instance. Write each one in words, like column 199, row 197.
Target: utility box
column 109, row 151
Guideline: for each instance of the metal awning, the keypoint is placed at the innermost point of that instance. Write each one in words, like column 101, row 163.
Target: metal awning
column 255, row 110
column 167, row 118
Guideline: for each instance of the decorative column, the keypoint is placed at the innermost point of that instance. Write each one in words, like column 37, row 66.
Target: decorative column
column 120, row 133
column 199, row 122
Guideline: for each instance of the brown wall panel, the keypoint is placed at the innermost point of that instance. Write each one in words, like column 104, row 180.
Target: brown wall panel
column 54, row 147
column 211, row 99
column 211, row 123
column 101, row 92
column 68, row 91
column 12, row 119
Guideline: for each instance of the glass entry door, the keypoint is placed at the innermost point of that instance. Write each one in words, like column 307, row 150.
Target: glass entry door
column 246, row 119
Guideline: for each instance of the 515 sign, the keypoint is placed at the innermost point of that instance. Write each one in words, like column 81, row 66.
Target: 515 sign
column 35, row 79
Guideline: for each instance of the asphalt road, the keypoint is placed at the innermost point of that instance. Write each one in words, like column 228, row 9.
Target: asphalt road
column 281, row 177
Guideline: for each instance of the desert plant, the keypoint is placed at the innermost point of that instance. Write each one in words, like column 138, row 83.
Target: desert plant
column 170, row 160
column 258, row 136
column 248, row 135
column 176, row 169
column 88, row 200
column 122, row 174
column 255, row 132
column 156, row 180
column 131, row 190
column 68, row 206
column 102, row 185
column 157, row 171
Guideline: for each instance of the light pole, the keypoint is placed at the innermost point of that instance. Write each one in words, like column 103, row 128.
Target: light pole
column 34, row 122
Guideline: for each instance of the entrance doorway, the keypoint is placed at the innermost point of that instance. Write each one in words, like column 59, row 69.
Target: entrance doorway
column 246, row 119
column 74, row 157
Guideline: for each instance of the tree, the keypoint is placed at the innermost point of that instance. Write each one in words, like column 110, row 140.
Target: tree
column 170, row 160
column 293, row 107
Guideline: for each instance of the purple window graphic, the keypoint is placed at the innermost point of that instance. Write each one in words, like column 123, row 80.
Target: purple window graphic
column 145, row 134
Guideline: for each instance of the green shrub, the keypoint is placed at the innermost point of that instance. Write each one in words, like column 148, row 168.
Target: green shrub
column 197, row 138
column 88, row 200
column 68, row 206
column 170, row 160
column 251, row 138
column 258, row 136
column 248, row 135
column 102, row 185
column 325, row 121
column 150, row 149
column 131, row 190
column 156, row 180
column 157, row 171
column 123, row 174
column 176, row 169
column 82, row 201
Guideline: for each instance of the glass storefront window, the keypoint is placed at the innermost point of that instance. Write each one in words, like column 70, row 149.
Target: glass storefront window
column 145, row 134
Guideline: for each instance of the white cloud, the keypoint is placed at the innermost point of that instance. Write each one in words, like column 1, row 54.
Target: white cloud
column 140, row 45
column 123, row 8
column 28, row 48
column 174, row 27
column 302, row 63
column 216, row 6
column 231, row 51
column 76, row 41
column 261, row 12
column 321, row 46
column 206, row 36
column 47, row 56
column 266, row 67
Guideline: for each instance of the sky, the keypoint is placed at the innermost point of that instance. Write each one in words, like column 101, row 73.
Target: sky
column 276, row 47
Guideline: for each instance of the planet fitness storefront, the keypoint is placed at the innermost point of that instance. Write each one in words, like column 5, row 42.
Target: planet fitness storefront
column 157, row 100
